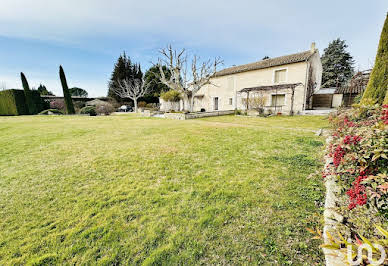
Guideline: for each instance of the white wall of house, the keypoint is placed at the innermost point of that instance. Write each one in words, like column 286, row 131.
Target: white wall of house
column 223, row 93
column 226, row 87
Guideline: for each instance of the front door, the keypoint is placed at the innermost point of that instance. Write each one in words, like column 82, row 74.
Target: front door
column 215, row 103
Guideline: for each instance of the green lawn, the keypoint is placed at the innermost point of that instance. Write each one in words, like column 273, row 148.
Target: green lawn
column 125, row 189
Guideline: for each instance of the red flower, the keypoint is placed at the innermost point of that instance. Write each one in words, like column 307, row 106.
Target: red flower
column 384, row 114
column 349, row 123
column 352, row 139
column 357, row 195
column 339, row 153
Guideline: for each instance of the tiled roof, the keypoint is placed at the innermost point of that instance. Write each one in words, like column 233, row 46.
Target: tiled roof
column 357, row 84
column 348, row 90
column 277, row 61
column 272, row 87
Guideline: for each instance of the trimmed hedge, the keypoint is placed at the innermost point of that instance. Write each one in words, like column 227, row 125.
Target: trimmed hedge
column 13, row 102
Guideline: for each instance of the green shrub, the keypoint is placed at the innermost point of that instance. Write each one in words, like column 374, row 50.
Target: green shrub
column 88, row 110
column 171, row 96
column 54, row 111
column 78, row 105
column 12, row 102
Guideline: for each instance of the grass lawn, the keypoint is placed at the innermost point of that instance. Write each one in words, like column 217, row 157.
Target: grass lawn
column 131, row 190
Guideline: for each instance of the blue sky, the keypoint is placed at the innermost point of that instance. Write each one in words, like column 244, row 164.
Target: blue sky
column 87, row 36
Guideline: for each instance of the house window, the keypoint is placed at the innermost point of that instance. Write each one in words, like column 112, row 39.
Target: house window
column 278, row 100
column 280, row 75
column 230, row 101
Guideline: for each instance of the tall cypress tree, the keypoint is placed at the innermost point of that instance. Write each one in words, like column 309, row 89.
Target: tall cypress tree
column 123, row 69
column 66, row 93
column 377, row 87
column 31, row 106
column 337, row 64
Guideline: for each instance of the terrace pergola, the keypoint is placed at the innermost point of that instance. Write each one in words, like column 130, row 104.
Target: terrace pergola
column 276, row 88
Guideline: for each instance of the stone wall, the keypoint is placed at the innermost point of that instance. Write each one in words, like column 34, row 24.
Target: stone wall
column 177, row 116
column 331, row 217
column 182, row 116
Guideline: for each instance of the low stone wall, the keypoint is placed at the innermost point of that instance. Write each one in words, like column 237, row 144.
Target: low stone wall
column 331, row 217
column 208, row 114
column 177, row 116
column 182, row 116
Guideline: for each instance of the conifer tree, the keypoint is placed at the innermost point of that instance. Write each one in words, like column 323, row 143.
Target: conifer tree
column 32, row 109
column 152, row 77
column 43, row 90
column 377, row 88
column 124, row 69
column 337, row 64
column 66, row 93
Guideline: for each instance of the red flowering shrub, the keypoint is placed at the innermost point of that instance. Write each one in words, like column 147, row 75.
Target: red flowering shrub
column 384, row 114
column 57, row 104
column 359, row 150
column 357, row 193
column 338, row 154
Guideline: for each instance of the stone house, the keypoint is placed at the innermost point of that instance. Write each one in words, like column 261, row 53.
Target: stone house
column 285, row 84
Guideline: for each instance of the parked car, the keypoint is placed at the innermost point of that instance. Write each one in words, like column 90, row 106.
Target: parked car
column 125, row 108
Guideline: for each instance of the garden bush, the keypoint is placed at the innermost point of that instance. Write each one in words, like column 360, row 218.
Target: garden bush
column 359, row 149
column 53, row 111
column 58, row 104
column 104, row 109
column 78, row 105
column 88, row 110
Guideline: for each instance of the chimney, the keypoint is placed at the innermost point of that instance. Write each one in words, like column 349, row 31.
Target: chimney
column 312, row 47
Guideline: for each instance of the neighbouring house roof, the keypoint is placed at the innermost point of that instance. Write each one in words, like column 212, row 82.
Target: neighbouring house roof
column 330, row 90
column 348, row 90
column 277, row 61
column 272, row 87
column 357, row 84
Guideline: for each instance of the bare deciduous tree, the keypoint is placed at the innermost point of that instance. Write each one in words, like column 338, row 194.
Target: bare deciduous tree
column 132, row 89
column 256, row 103
column 187, row 83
